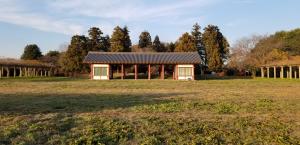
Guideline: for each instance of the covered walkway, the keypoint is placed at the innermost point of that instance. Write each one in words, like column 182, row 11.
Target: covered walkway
column 24, row 68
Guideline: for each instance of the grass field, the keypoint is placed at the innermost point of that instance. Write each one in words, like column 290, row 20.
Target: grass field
column 77, row 111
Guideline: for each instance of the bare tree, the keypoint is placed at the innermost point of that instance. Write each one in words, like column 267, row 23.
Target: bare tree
column 240, row 53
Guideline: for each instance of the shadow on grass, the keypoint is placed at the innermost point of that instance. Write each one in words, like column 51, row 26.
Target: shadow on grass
column 23, row 104
column 208, row 77
column 42, row 79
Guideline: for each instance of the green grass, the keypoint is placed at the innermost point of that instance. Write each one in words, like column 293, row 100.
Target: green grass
column 79, row 111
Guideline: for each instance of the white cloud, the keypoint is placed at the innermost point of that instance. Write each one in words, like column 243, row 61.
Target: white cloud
column 60, row 15
column 11, row 12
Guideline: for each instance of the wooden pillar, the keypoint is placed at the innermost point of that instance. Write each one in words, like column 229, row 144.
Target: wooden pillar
column 281, row 72
column 1, row 72
column 20, row 68
column 299, row 71
column 149, row 72
column 41, row 72
column 14, row 71
column 262, row 72
column 122, row 71
column 45, row 73
column 7, row 70
column 295, row 74
column 91, row 72
column 34, row 72
column 275, row 72
column 135, row 72
column 290, row 72
column 175, row 73
column 268, row 72
column 162, row 72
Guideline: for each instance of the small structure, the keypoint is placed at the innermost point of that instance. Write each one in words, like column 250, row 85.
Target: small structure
column 182, row 63
column 289, row 68
column 24, row 68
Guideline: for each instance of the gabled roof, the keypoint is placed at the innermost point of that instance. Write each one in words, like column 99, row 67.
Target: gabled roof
column 143, row 58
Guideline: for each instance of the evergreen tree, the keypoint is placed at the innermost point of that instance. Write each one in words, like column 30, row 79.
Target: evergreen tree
column 157, row 45
column 186, row 43
column 71, row 60
column 31, row 52
column 95, row 40
column 216, row 46
column 117, row 40
column 196, row 33
column 170, row 47
column 106, row 43
column 145, row 40
column 120, row 40
column 127, row 41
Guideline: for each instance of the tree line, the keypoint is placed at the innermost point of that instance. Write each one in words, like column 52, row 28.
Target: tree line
column 209, row 42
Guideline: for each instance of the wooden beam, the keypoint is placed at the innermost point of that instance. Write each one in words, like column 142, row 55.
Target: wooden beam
column 122, row 71
column 162, row 72
column 135, row 72
column 149, row 72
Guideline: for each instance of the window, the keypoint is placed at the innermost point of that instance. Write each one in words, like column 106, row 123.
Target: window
column 100, row 71
column 185, row 71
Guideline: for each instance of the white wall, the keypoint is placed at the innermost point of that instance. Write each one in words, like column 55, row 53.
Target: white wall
column 101, row 77
column 186, row 77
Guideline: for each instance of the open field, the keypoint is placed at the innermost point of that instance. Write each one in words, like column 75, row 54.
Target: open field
column 76, row 111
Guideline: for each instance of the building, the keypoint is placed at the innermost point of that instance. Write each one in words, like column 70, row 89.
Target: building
column 25, row 68
column 182, row 63
column 287, row 68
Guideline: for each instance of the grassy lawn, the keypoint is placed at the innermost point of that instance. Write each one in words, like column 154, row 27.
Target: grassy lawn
column 78, row 111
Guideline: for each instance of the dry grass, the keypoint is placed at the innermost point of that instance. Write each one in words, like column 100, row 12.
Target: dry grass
column 75, row 111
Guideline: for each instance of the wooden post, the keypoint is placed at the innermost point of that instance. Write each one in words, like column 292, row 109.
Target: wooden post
column 149, row 72
column 281, row 72
column 295, row 74
column 122, row 71
column 14, row 71
column 1, row 72
column 299, row 71
column 275, row 72
column 291, row 71
column 20, row 68
column 92, row 71
column 175, row 72
column 41, row 72
column 162, row 72
column 34, row 72
column 268, row 72
column 7, row 74
column 262, row 72
column 135, row 72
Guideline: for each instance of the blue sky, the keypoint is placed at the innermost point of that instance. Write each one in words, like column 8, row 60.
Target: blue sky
column 51, row 23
